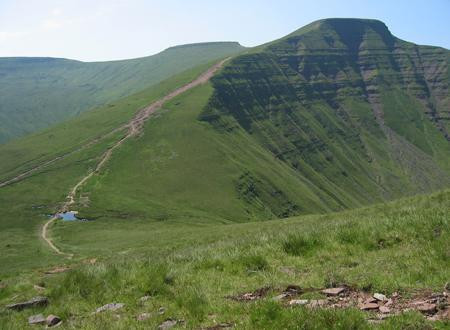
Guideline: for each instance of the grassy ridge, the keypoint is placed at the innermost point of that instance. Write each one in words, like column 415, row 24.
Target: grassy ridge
column 400, row 246
column 27, row 152
column 39, row 92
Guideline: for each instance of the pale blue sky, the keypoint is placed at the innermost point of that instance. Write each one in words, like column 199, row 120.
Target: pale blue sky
column 115, row 29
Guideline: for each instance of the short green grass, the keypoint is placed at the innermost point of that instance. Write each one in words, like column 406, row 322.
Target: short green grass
column 400, row 246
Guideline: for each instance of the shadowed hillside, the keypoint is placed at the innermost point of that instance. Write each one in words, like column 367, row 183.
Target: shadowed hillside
column 359, row 113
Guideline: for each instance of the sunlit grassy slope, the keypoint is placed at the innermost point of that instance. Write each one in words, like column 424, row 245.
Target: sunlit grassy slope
column 202, row 204
column 38, row 92
column 288, row 128
column 285, row 129
column 190, row 269
column 26, row 205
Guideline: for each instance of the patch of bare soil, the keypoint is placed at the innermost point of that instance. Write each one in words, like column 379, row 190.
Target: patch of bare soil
column 250, row 296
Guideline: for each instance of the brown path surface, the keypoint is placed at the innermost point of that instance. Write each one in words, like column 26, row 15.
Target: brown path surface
column 134, row 128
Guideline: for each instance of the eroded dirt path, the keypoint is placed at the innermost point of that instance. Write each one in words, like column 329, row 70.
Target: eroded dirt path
column 134, row 128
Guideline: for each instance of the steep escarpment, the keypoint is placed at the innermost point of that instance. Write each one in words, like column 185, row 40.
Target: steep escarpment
column 360, row 113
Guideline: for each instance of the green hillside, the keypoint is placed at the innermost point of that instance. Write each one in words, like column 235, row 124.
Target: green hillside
column 190, row 272
column 361, row 114
column 204, row 203
column 38, row 92
column 310, row 123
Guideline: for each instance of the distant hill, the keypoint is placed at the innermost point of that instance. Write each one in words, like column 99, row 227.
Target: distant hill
column 38, row 92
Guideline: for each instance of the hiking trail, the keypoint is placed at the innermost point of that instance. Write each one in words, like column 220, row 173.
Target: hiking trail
column 134, row 127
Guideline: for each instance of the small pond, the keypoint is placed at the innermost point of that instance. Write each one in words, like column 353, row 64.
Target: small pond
column 68, row 216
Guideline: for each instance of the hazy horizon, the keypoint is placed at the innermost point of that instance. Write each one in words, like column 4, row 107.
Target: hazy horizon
column 114, row 30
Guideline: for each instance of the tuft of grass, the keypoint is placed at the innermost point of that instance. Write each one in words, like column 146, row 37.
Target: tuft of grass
column 301, row 244
column 254, row 262
column 271, row 315
column 194, row 302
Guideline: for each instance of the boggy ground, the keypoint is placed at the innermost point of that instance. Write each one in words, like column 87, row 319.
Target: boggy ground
column 399, row 250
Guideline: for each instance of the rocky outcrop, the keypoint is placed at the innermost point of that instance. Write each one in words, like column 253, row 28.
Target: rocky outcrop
column 34, row 302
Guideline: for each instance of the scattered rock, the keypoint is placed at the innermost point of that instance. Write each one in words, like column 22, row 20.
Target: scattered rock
column 39, row 288
column 34, row 302
column 250, row 296
column 333, row 291
column 167, row 324
column 52, row 320
column 292, row 290
column 36, row 319
column 280, row 297
column 368, row 306
column 161, row 310
column 143, row 316
column 57, row 270
column 384, row 310
column 109, row 307
column 427, row 308
column 316, row 303
column 435, row 306
column 220, row 326
column 144, row 298
column 298, row 302
column 379, row 296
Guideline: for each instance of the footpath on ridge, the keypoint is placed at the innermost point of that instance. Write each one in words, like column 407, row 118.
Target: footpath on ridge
column 134, row 128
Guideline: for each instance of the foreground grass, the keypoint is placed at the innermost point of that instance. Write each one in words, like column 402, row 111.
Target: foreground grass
column 401, row 246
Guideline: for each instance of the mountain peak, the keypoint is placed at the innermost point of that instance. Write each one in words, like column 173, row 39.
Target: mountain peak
column 347, row 24
column 350, row 33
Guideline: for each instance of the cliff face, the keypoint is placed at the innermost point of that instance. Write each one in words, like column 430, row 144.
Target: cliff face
column 361, row 114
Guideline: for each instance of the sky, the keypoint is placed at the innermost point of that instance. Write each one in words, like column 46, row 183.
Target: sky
column 99, row 30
